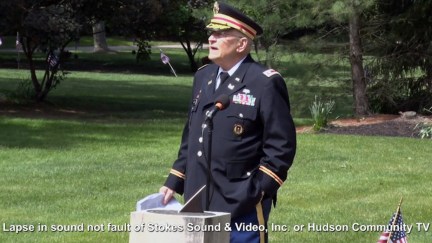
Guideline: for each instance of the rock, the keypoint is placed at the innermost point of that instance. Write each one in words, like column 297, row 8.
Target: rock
column 408, row 114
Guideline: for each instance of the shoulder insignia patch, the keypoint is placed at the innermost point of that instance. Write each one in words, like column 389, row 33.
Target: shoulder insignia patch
column 270, row 72
column 203, row 66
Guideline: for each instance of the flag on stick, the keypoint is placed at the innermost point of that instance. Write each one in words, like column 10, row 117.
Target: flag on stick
column 165, row 60
column 18, row 42
column 395, row 232
column 18, row 48
column 52, row 60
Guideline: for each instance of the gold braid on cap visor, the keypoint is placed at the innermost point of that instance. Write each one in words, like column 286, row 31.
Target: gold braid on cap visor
column 234, row 23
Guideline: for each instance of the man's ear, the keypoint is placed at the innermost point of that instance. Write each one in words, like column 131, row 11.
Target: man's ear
column 242, row 44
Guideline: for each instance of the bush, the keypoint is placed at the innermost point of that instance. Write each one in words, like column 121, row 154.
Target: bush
column 425, row 128
column 144, row 50
column 320, row 112
column 391, row 95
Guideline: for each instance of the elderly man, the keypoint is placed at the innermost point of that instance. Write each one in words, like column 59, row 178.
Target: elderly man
column 254, row 140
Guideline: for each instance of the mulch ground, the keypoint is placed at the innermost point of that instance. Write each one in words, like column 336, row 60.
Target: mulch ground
column 376, row 125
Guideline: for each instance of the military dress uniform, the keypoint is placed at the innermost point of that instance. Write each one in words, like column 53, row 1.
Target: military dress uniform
column 253, row 141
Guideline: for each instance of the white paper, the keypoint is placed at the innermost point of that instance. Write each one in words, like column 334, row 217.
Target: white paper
column 155, row 201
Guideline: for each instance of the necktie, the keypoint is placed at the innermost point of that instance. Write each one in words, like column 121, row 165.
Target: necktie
column 223, row 77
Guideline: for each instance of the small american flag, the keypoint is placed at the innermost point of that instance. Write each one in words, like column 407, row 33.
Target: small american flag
column 165, row 59
column 17, row 42
column 396, row 230
column 52, row 60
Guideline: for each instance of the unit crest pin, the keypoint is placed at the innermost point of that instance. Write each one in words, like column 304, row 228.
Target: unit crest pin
column 238, row 129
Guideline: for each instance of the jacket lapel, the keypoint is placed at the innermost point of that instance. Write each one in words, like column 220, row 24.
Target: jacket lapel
column 209, row 86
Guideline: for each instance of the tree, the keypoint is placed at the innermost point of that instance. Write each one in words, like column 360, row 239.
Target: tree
column 395, row 36
column 190, row 30
column 137, row 18
column 336, row 17
column 361, row 106
column 184, row 22
column 275, row 17
column 94, row 14
column 99, row 37
column 399, row 37
column 47, row 26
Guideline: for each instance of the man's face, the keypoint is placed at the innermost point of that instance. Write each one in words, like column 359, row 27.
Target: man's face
column 223, row 45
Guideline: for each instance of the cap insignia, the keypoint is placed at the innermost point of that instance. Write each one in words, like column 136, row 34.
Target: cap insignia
column 216, row 8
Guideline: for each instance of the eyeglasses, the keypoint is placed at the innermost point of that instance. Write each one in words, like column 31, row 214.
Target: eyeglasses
column 222, row 34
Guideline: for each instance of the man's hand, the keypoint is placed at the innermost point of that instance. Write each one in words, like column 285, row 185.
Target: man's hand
column 168, row 194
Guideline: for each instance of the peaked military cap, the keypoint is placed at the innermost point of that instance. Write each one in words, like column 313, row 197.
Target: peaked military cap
column 227, row 17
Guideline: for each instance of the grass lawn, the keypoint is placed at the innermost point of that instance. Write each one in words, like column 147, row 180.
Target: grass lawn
column 114, row 136
column 64, row 172
column 306, row 75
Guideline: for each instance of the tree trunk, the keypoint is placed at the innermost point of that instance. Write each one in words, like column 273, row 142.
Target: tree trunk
column 28, row 52
column 186, row 44
column 357, row 70
column 99, row 37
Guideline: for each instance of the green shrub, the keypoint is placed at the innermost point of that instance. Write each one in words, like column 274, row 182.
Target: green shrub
column 425, row 130
column 425, row 127
column 320, row 112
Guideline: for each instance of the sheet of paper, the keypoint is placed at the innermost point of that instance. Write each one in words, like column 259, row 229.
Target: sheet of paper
column 155, row 201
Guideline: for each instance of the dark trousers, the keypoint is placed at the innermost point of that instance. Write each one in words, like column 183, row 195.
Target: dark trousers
column 252, row 227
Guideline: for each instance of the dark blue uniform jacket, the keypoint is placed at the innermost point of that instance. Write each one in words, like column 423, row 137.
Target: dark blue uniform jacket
column 254, row 139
